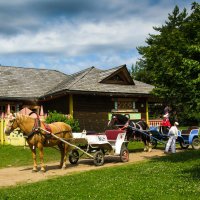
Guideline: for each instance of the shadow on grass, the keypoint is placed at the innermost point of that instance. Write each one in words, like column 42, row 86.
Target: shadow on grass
column 193, row 172
column 183, row 156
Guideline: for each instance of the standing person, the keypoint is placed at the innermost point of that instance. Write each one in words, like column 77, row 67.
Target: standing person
column 173, row 134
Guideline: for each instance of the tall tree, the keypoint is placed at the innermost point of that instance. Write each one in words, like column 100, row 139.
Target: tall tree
column 171, row 61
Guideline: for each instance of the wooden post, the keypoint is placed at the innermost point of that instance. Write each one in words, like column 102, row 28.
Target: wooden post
column 2, row 129
column 71, row 112
column 42, row 113
column 147, row 112
column 8, row 109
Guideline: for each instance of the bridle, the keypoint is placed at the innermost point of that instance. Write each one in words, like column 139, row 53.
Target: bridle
column 11, row 121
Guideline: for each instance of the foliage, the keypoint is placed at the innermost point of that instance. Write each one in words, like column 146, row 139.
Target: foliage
column 169, row 177
column 171, row 62
column 59, row 117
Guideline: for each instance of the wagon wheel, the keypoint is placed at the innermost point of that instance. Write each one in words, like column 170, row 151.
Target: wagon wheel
column 183, row 145
column 99, row 158
column 196, row 143
column 73, row 156
column 124, row 155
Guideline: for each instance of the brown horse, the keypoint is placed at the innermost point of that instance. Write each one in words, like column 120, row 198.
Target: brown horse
column 37, row 137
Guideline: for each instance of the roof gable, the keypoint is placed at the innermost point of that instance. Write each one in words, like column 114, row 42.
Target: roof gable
column 119, row 76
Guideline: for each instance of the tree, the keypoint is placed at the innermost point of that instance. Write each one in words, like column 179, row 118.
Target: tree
column 171, row 62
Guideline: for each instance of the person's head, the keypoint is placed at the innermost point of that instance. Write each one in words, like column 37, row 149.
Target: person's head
column 166, row 116
column 176, row 123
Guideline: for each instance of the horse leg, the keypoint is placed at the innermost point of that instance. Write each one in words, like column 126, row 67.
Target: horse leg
column 41, row 151
column 66, row 151
column 145, row 144
column 149, row 144
column 61, row 148
column 33, row 150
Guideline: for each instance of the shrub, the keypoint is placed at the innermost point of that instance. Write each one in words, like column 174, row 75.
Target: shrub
column 59, row 117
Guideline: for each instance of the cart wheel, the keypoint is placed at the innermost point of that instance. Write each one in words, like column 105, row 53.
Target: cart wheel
column 196, row 143
column 183, row 145
column 98, row 158
column 153, row 143
column 73, row 156
column 124, row 155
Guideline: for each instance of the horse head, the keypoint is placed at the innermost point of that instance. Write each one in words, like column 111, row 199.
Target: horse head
column 118, row 119
column 11, row 124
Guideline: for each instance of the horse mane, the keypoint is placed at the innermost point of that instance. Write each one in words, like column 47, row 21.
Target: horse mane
column 22, row 117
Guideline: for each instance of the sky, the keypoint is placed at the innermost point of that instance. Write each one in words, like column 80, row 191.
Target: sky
column 72, row 35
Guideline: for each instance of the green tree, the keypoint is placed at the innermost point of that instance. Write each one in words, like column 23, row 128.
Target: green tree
column 171, row 62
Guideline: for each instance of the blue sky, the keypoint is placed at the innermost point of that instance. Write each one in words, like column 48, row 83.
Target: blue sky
column 71, row 35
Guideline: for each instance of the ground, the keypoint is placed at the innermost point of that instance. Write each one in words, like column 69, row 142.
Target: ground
column 12, row 176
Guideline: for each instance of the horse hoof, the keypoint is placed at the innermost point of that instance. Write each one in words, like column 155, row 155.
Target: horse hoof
column 34, row 170
column 42, row 171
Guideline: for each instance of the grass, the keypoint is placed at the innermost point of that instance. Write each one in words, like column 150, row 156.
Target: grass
column 19, row 156
column 172, row 177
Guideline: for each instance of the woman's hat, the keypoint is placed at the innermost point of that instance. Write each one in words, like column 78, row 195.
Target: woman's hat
column 166, row 115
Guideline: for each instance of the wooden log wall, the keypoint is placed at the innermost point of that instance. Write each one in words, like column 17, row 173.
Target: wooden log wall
column 92, row 111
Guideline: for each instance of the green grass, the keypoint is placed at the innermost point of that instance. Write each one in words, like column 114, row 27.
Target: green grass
column 19, row 156
column 172, row 177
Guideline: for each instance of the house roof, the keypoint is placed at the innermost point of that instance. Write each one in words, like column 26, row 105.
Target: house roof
column 29, row 83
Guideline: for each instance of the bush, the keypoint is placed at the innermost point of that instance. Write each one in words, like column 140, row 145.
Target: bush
column 59, row 117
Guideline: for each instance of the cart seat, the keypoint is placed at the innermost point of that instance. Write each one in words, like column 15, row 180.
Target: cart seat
column 91, row 133
column 187, row 132
column 112, row 134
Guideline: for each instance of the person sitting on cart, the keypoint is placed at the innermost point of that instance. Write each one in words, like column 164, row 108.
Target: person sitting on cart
column 165, row 124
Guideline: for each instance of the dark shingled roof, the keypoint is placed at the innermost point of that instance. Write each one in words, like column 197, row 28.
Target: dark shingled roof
column 89, row 80
column 27, row 83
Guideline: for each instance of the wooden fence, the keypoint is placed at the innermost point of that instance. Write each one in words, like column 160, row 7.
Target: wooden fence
column 155, row 122
column 15, row 138
column 2, row 135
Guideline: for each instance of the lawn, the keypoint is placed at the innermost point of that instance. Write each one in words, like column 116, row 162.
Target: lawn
column 19, row 156
column 171, row 177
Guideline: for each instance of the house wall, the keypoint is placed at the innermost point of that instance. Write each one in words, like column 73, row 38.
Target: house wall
column 60, row 104
column 92, row 111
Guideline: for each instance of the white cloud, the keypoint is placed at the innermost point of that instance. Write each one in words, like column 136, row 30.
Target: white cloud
column 80, row 39
column 105, row 38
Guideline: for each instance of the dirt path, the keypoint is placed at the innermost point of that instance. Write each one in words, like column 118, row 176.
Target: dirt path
column 12, row 176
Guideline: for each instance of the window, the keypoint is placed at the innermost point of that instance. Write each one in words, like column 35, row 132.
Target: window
column 124, row 105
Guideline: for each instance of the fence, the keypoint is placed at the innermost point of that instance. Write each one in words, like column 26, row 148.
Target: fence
column 15, row 138
column 155, row 122
column 2, row 135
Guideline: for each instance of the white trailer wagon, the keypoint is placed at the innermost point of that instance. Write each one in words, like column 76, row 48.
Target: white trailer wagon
column 97, row 145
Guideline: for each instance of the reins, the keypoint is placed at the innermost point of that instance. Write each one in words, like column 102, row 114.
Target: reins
column 35, row 128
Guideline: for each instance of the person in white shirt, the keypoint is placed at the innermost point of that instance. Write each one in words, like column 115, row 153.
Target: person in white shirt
column 173, row 134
